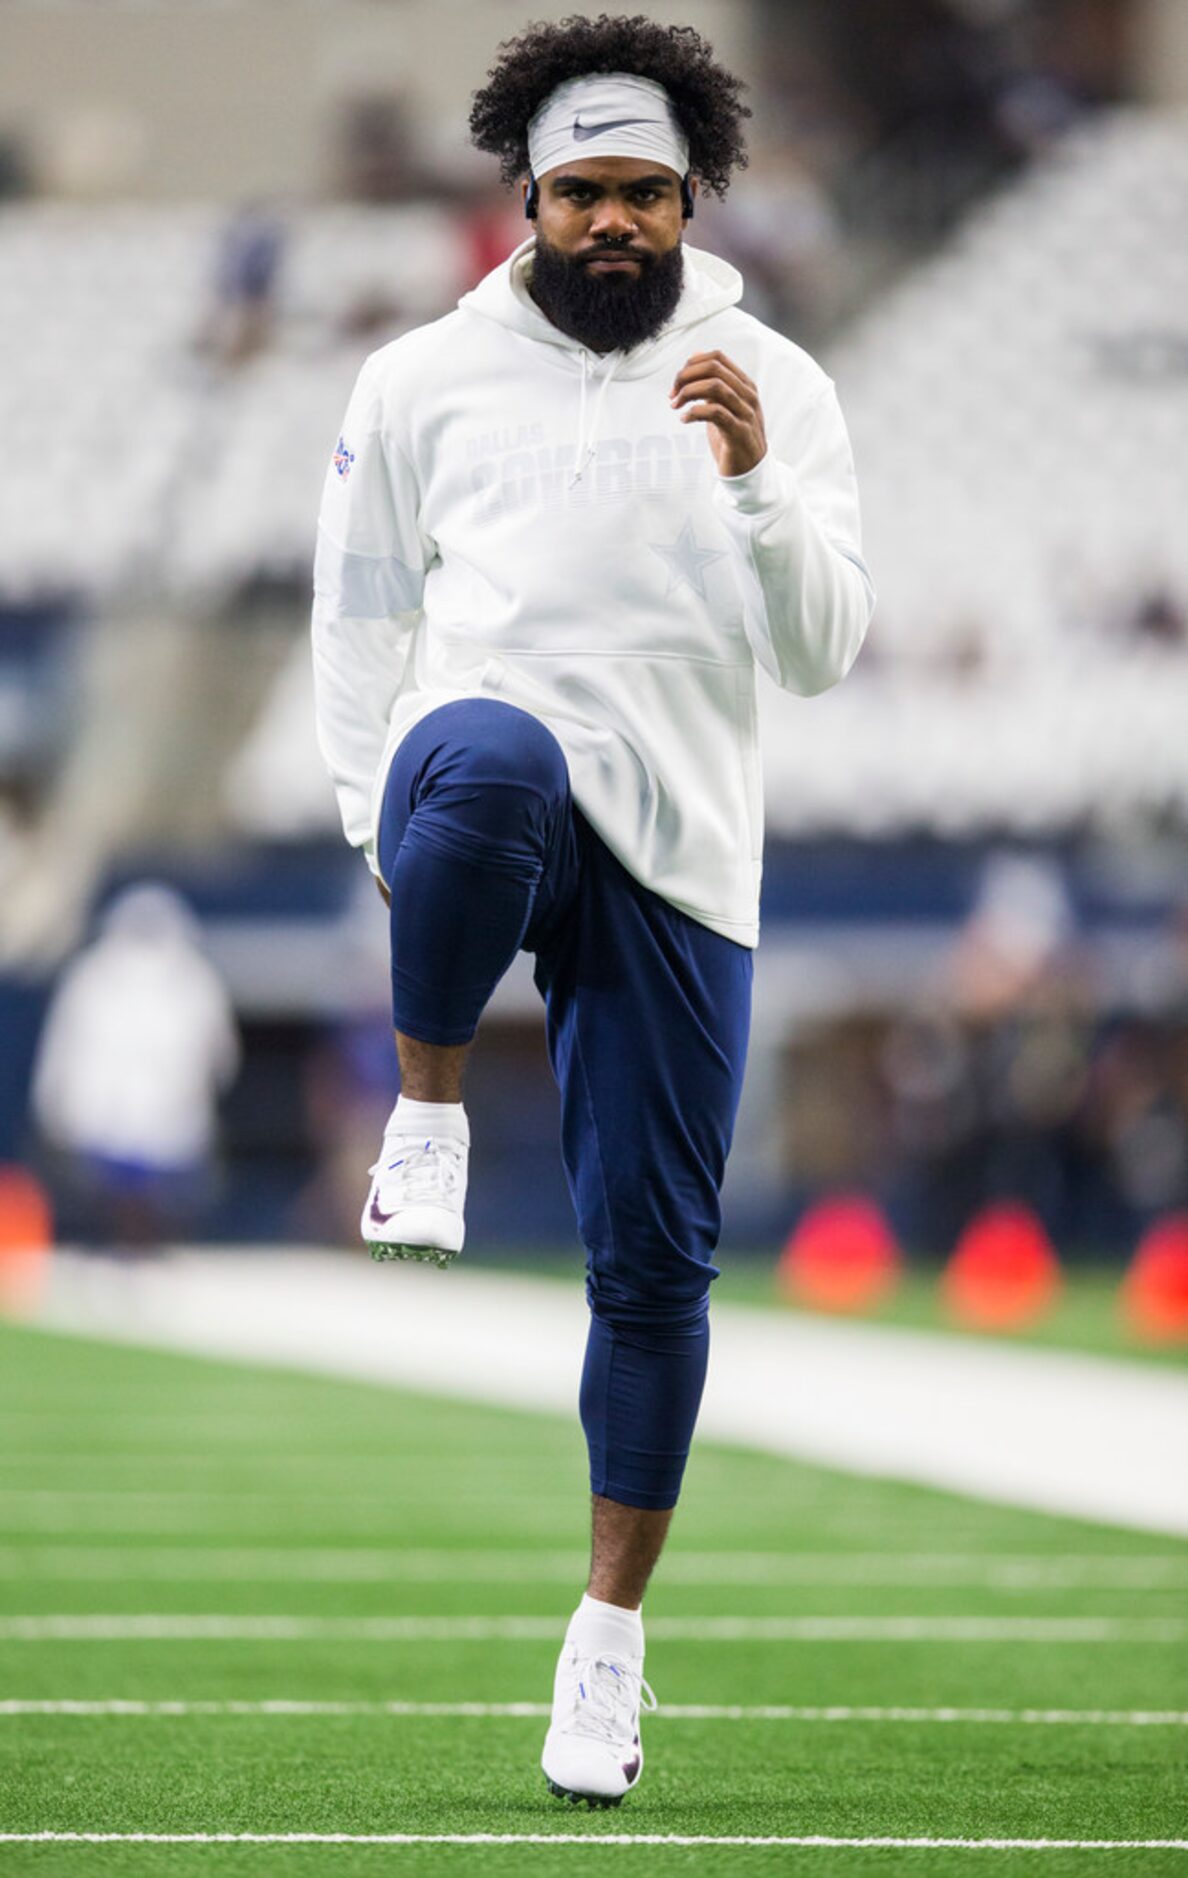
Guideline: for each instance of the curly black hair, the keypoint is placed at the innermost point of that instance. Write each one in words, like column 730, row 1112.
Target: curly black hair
column 705, row 96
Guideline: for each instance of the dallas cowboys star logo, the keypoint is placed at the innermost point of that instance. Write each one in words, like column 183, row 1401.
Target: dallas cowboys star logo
column 686, row 562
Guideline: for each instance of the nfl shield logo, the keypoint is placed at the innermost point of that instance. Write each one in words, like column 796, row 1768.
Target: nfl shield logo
column 343, row 458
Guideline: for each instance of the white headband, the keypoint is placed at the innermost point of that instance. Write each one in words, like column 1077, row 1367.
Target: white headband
column 607, row 114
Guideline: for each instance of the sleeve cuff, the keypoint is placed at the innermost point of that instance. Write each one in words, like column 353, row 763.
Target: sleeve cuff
column 755, row 491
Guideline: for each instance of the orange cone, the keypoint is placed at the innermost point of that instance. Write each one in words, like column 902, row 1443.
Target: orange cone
column 841, row 1257
column 1004, row 1274
column 1155, row 1289
column 26, row 1234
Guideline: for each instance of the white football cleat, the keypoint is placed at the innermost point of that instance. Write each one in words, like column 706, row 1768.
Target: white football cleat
column 593, row 1751
column 418, row 1189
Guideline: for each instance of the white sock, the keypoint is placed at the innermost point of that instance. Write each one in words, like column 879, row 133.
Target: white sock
column 436, row 1118
column 607, row 1629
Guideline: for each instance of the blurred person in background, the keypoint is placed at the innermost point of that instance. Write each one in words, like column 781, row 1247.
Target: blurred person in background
column 346, row 1082
column 988, row 1080
column 381, row 158
column 242, row 321
column 541, row 599
column 137, row 1046
column 1021, row 988
column 346, row 1096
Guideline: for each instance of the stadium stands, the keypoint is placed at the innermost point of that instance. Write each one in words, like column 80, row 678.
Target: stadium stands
column 140, row 456
column 1018, row 406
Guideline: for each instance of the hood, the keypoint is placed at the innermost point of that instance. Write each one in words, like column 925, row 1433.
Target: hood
column 710, row 285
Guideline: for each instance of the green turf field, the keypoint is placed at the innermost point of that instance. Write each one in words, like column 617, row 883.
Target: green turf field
column 336, row 1537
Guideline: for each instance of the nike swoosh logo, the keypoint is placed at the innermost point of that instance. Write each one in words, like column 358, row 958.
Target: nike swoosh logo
column 583, row 131
column 381, row 1219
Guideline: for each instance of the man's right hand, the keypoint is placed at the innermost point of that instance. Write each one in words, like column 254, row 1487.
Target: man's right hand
column 385, row 896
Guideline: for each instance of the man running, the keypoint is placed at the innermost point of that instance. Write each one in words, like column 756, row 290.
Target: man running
column 562, row 528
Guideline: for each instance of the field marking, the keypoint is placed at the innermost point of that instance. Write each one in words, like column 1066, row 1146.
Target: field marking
column 358, row 1493
column 129, row 1515
column 805, row 1841
column 90, row 1460
column 674, row 1711
column 378, row 1565
column 227, row 1629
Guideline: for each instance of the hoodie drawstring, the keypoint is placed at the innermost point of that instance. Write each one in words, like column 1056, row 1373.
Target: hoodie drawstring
column 587, row 444
column 579, row 462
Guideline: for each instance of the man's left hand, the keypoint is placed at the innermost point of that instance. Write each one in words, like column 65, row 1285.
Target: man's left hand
column 711, row 389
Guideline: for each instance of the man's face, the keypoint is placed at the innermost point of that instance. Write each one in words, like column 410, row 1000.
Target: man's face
column 607, row 268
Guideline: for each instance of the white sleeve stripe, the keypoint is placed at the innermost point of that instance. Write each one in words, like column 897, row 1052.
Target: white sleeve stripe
column 365, row 586
column 849, row 553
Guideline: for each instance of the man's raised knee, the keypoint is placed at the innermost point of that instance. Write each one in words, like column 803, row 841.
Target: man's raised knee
column 505, row 746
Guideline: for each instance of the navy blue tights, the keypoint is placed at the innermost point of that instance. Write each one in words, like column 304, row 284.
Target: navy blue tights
column 646, row 1014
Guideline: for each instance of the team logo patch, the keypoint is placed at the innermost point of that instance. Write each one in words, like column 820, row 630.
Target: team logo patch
column 343, row 458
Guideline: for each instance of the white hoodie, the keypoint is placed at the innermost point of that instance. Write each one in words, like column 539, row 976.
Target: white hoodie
column 509, row 515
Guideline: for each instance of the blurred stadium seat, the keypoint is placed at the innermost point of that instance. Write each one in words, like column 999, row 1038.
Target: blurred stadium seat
column 1017, row 401
column 1018, row 406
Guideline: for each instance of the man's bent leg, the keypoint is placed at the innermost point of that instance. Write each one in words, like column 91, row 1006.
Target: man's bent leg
column 431, row 1072
column 473, row 832
column 475, row 815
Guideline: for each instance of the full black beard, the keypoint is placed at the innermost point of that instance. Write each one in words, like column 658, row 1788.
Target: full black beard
column 606, row 312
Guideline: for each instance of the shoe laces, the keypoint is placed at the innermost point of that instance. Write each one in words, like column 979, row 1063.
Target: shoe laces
column 421, row 1170
column 607, row 1698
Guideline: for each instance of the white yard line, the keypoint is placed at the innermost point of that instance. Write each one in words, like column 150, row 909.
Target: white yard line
column 594, row 1837
column 264, row 1629
column 675, row 1711
column 375, row 1565
column 1077, row 1435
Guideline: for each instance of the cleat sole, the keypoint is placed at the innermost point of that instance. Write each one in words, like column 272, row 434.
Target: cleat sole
column 597, row 1802
column 382, row 1250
